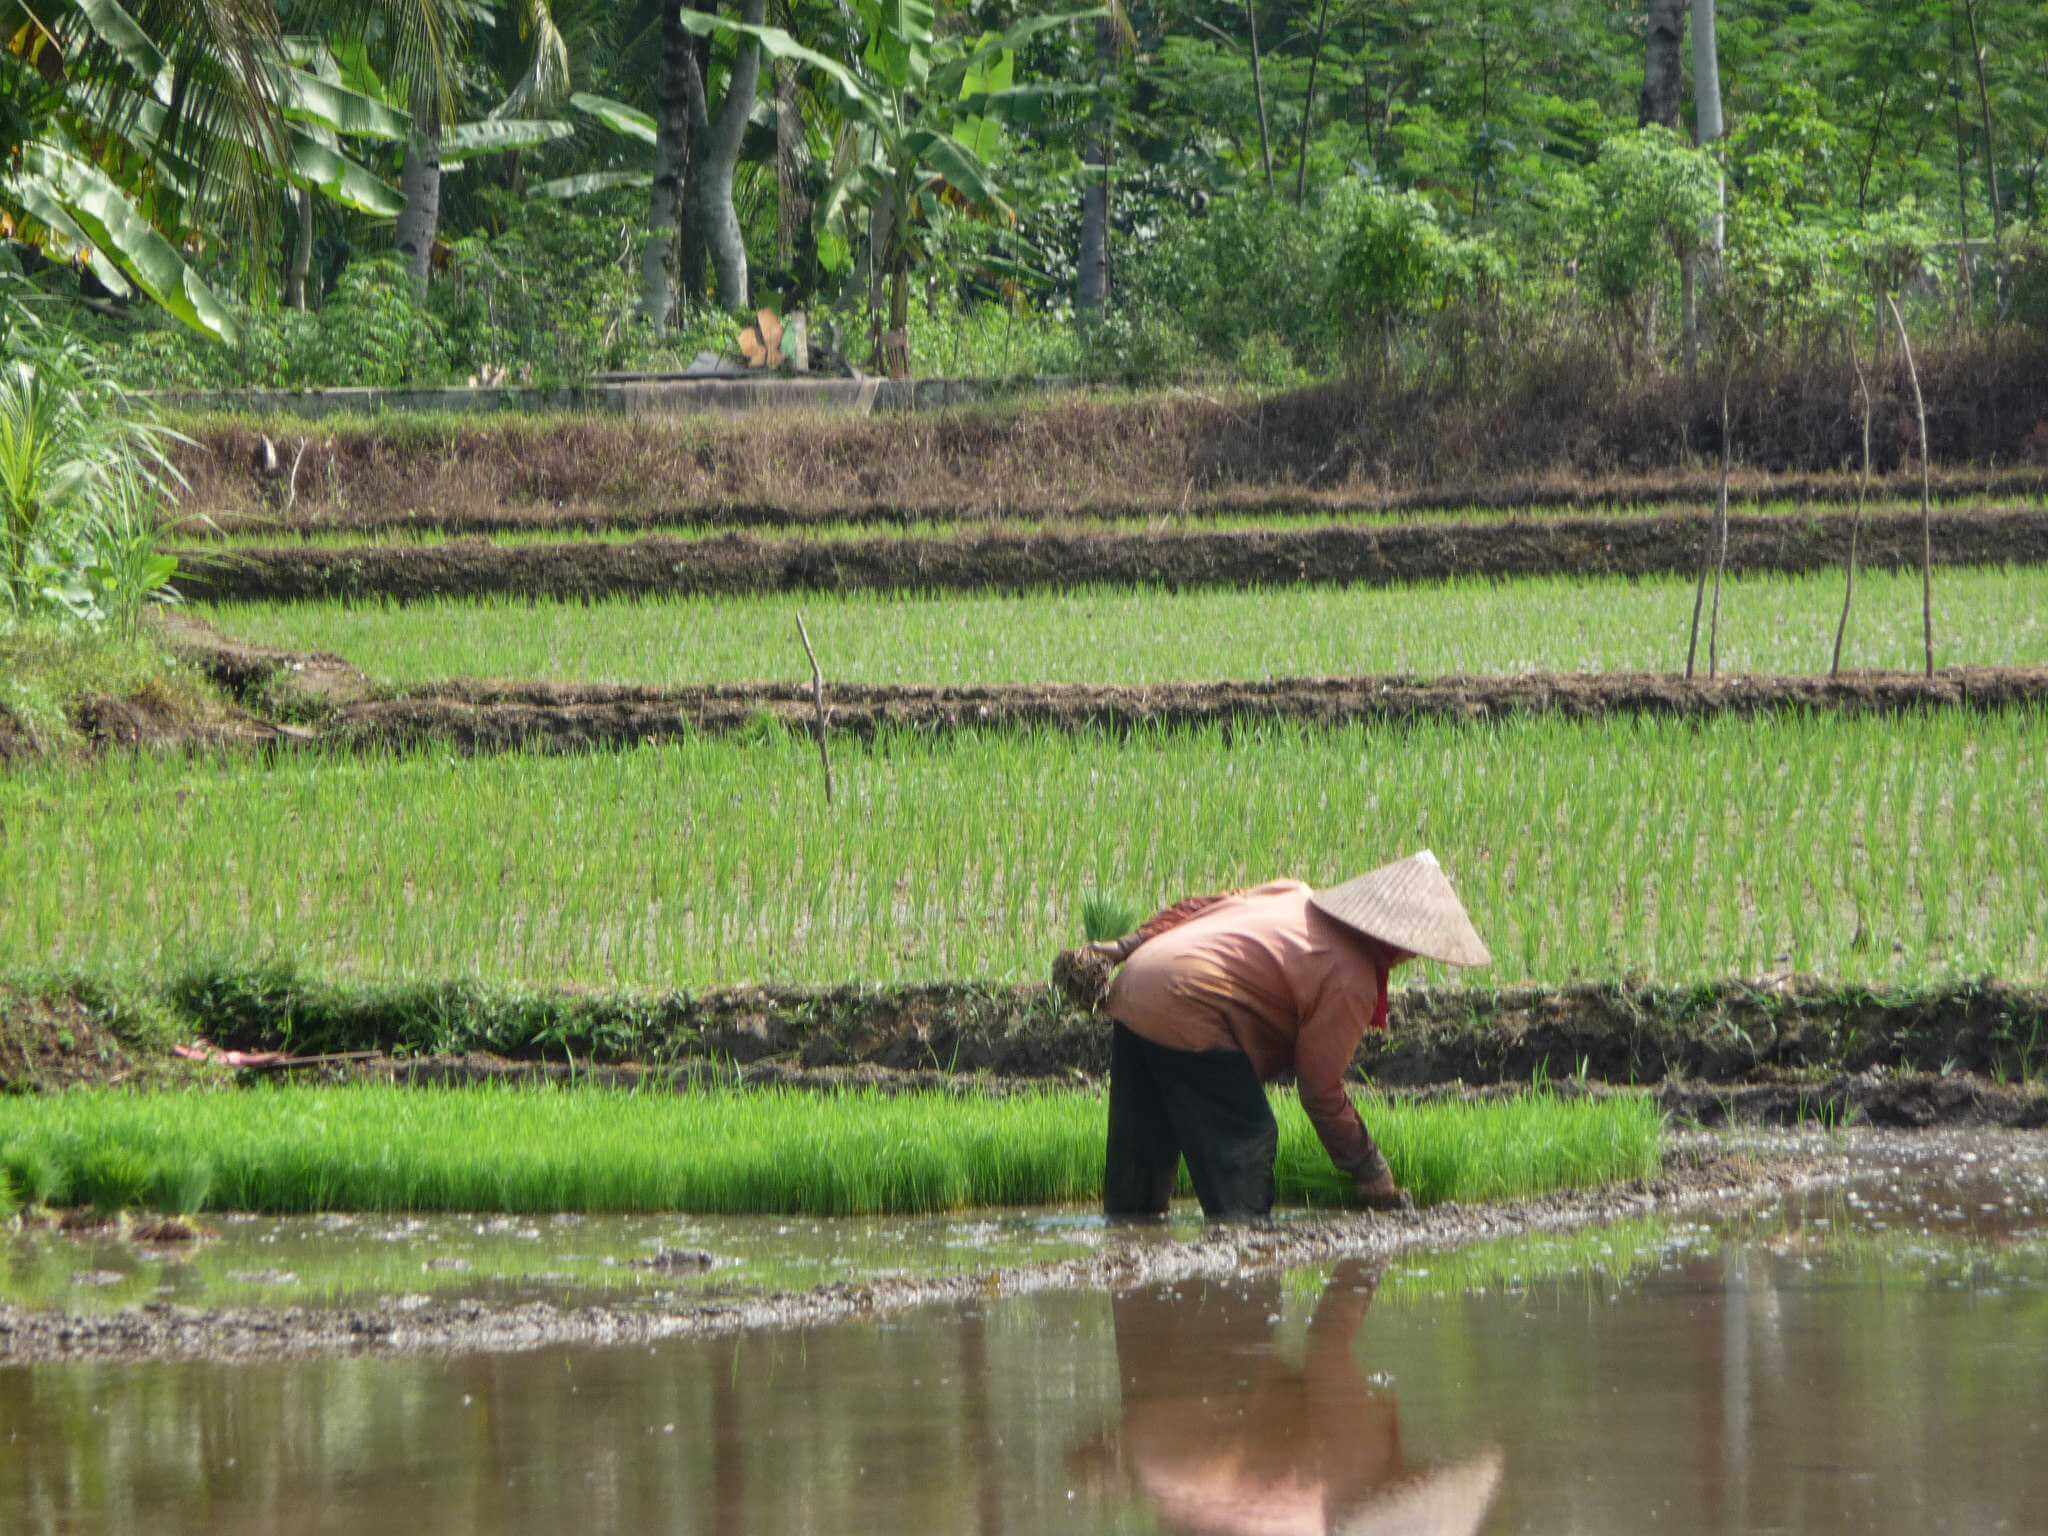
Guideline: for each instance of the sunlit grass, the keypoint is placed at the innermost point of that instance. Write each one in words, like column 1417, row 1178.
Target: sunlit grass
column 1769, row 624
column 585, row 524
column 288, row 1150
column 1894, row 851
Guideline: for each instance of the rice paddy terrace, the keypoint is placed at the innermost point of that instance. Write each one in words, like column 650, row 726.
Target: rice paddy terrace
column 557, row 996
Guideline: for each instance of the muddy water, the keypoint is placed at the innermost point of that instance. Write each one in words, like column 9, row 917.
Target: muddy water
column 342, row 1260
column 1869, row 1359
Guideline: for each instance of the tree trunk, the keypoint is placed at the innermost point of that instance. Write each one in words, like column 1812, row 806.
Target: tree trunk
column 1990, row 156
column 420, row 185
column 1689, row 317
column 880, row 227
column 658, row 264
column 1663, row 84
column 1091, row 290
column 1706, row 94
column 716, row 144
column 302, row 253
column 1955, row 97
column 896, row 341
column 1308, row 105
column 1251, row 17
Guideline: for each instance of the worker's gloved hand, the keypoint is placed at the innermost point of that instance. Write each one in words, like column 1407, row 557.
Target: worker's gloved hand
column 1374, row 1188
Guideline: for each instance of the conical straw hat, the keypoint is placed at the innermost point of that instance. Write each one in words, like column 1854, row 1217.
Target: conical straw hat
column 1410, row 905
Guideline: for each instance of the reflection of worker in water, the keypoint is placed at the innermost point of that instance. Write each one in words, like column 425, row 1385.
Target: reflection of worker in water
column 1221, row 1437
column 1221, row 994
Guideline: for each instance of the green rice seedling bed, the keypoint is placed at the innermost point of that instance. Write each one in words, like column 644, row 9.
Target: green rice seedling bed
column 287, row 1150
column 1769, row 624
column 1870, row 850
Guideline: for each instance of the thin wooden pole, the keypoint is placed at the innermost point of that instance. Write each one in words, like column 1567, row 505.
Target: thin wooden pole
column 1720, row 536
column 1926, row 491
column 817, row 698
column 1862, row 490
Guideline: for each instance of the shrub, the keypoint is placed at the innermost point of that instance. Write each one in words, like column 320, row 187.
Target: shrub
column 84, row 487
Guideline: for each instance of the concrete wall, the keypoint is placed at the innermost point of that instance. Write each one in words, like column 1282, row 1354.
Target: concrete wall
column 624, row 395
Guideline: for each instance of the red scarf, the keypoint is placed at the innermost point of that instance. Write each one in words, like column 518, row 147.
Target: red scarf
column 1384, row 959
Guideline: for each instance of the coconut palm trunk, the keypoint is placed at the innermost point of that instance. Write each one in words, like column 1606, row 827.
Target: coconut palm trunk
column 716, row 152
column 1092, row 287
column 420, row 185
column 1663, row 82
column 658, row 255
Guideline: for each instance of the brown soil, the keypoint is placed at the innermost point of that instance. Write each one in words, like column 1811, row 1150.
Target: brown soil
column 504, row 717
column 1908, row 1101
column 1561, row 418
column 1618, row 1032
column 52, row 1039
column 1576, row 546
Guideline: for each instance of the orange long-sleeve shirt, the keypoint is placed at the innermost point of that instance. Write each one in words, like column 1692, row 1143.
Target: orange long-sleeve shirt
column 1263, row 972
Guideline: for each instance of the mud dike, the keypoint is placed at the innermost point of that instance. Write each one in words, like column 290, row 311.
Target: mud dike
column 738, row 566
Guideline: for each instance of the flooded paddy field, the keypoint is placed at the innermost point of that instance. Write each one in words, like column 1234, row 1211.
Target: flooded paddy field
column 1861, row 1349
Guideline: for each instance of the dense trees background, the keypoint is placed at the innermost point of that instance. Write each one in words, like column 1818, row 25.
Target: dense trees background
column 1259, row 189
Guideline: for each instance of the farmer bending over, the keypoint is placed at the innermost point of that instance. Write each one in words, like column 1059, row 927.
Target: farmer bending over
column 1221, row 994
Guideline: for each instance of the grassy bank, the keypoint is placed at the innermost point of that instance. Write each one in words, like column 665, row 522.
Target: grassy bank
column 1867, row 850
column 51, row 676
column 1770, row 624
column 539, row 526
column 294, row 1149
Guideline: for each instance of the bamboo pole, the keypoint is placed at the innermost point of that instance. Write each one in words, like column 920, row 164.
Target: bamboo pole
column 1926, row 490
column 817, row 698
column 1862, row 490
column 1720, row 536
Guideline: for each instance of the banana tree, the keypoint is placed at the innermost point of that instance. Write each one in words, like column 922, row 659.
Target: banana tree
column 128, row 137
column 924, row 124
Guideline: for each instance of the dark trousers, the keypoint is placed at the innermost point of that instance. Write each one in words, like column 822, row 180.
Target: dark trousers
column 1206, row 1106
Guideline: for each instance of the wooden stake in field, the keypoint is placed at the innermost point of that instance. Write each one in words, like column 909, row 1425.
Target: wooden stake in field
column 1717, row 529
column 817, row 698
column 1926, row 491
column 1862, row 490
column 1720, row 537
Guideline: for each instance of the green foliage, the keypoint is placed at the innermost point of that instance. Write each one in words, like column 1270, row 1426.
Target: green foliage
column 1395, row 262
column 2026, row 256
column 725, row 1151
column 1895, row 245
column 374, row 330
column 923, row 110
column 549, row 298
column 84, row 490
column 1249, row 271
column 1651, row 199
column 36, row 1174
